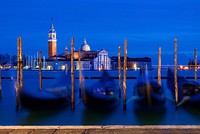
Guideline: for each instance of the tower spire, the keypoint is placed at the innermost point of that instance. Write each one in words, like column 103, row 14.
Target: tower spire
column 52, row 26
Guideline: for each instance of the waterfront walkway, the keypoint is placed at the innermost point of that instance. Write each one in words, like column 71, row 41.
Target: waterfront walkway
column 157, row 129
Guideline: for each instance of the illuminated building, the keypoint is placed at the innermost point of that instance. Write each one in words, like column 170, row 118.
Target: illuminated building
column 132, row 63
column 90, row 60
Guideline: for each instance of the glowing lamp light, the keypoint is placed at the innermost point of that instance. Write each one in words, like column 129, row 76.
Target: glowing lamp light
column 183, row 67
column 186, row 68
column 26, row 67
column 135, row 66
column 75, row 55
column 49, row 67
column 99, row 69
column 63, row 67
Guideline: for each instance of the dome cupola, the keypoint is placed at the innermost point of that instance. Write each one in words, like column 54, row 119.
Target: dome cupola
column 85, row 46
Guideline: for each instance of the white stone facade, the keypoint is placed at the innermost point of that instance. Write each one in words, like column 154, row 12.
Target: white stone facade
column 102, row 61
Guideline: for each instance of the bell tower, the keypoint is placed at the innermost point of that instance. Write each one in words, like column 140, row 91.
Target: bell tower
column 52, row 41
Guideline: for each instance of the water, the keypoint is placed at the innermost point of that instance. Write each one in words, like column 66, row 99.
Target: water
column 84, row 116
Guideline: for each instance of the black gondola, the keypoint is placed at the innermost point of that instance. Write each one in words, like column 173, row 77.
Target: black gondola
column 147, row 91
column 57, row 95
column 103, row 94
column 188, row 91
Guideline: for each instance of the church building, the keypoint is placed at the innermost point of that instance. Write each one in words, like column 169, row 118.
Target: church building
column 90, row 60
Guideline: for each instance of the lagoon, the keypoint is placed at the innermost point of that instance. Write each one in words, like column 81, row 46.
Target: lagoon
column 81, row 115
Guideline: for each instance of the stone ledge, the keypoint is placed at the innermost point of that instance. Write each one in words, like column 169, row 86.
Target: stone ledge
column 113, row 129
column 106, row 127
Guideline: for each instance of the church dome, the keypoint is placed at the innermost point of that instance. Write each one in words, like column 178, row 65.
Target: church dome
column 85, row 46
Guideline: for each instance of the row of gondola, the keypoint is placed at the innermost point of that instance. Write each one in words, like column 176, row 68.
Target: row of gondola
column 106, row 94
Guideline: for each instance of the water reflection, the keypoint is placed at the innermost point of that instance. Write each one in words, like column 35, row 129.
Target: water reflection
column 38, row 117
column 94, row 117
column 150, row 116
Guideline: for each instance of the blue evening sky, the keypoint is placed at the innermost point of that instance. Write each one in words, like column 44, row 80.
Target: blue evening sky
column 146, row 24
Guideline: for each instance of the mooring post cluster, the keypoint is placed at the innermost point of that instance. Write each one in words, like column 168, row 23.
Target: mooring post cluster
column 122, row 87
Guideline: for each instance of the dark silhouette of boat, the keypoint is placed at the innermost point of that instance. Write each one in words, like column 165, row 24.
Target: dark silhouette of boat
column 148, row 92
column 55, row 96
column 103, row 94
column 188, row 91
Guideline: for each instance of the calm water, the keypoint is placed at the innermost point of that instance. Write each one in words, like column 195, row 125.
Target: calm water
column 82, row 115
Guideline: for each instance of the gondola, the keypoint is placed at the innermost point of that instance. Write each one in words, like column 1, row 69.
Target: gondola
column 55, row 96
column 103, row 94
column 147, row 91
column 188, row 91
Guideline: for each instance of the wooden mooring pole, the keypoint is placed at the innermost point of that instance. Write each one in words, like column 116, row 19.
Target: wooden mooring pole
column 125, row 67
column 80, row 75
column 72, row 74
column 0, row 84
column 119, row 70
column 19, row 83
column 175, row 70
column 159, row 65
column 195, row 65
column 40, row 69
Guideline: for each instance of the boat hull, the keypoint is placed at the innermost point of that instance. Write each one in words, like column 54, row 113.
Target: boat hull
column 55, row 94
column 149, row 93
column 100, row 101
column 188, row 91
column 42, row 99
column 154, row 96
column 104, row 94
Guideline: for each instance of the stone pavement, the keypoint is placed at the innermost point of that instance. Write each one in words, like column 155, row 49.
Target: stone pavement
column 146, row 129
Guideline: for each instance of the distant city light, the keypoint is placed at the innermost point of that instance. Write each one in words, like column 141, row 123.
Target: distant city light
column 135, row 66
column 99, row 69
column 183, row 67
column 26, row 67
column 49, row 67
column 63, row 67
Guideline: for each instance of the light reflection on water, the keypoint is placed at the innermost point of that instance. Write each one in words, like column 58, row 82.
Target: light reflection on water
column 84, row 116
